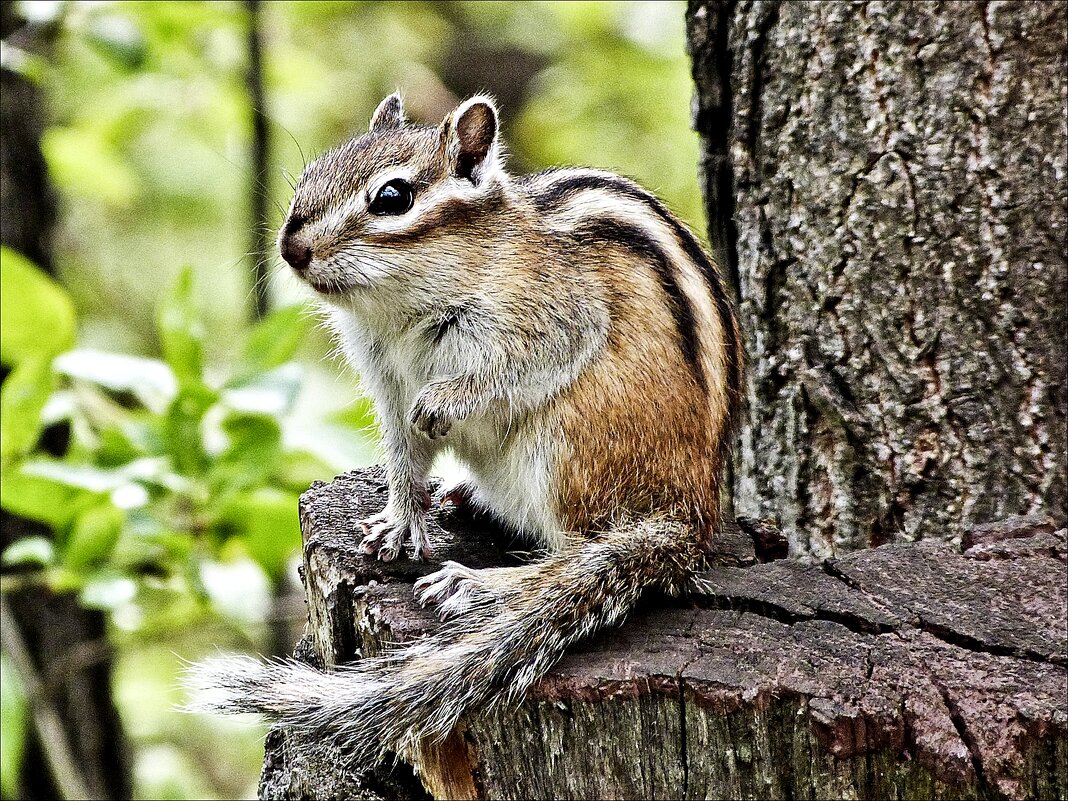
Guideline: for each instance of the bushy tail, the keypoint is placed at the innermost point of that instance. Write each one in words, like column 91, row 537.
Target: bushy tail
column 491, row 655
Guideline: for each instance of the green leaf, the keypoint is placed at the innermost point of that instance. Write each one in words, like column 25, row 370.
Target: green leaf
column 94, row 535
column 13, row 721
column 61, row 579
column 359, row 415
column 267, row 521
column 181, row 330
column 36, row 313
column 117, row 445
column 236, row 586
column 117, row 37
column 41, row 498
column 86, row 164
column 31, row 66
column 182, row 428
column 150, row 380
column 298, row 468
column 147, row 541
column 275, row 339
column 255, row 442
column 22, row 397
column 272, row 393
column 107, row 589
column 338, row 445
column 29, row 551
column 81, row 476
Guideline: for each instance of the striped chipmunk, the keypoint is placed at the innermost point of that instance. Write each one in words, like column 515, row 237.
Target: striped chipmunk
column 566, row 337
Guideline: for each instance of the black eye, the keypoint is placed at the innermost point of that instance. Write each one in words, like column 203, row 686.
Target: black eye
column 395, row 197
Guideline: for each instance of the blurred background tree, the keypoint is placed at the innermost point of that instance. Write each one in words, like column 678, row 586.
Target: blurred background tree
column 169, row 130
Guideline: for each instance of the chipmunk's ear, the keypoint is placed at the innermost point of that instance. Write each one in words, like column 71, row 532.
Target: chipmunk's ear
column 389, row 114
column 471, row 139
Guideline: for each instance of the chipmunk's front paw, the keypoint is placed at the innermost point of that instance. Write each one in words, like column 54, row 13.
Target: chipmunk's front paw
column 435, row 410
column 387, row 532
column 429, row 417
column 454, row 589
column 460, row 498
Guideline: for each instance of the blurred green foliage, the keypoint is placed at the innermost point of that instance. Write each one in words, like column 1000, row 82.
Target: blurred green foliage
column 12, row 727
column 192, row 433
column 177, row 486
column 166, row 464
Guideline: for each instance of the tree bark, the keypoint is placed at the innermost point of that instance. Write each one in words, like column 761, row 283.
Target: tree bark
column 885, row 182
column 911, row 671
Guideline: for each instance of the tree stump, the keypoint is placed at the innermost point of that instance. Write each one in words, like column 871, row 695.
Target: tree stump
column 907, row 671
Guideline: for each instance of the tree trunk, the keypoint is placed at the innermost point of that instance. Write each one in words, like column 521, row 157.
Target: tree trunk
column 261, row 248
column 886, row 184
column 65, row 645
column 912, row 671
column 27, row 201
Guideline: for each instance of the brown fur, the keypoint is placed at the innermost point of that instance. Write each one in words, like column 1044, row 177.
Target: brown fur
column 639, row 435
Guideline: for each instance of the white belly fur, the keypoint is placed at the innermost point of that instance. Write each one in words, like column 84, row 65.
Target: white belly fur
column 512, row 474
column 510, row 465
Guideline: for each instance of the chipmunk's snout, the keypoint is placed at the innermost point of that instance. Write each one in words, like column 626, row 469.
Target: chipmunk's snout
column 294, row 245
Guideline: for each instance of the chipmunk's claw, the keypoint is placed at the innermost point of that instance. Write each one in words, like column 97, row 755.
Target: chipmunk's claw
column 428, row 419
column 460, row 498
column 454, row 589
column 385, row 537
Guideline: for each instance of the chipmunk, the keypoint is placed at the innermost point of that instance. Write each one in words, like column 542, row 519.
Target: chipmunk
column 568, row 339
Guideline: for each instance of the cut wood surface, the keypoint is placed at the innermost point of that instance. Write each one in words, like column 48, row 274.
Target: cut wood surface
column 906, row 671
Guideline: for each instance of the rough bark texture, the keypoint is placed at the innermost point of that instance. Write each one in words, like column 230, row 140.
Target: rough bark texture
column 886, row 183
column 908, row 671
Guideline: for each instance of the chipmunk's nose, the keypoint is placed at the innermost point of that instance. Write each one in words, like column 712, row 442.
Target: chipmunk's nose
column 296, row 251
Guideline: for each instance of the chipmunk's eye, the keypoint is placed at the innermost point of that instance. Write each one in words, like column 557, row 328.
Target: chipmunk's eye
column 395, row 197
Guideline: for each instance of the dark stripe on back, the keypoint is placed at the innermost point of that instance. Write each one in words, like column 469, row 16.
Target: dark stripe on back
column 634, row 239
column 554, row 196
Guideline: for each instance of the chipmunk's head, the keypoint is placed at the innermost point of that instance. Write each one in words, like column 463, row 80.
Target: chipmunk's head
column 368, row 210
